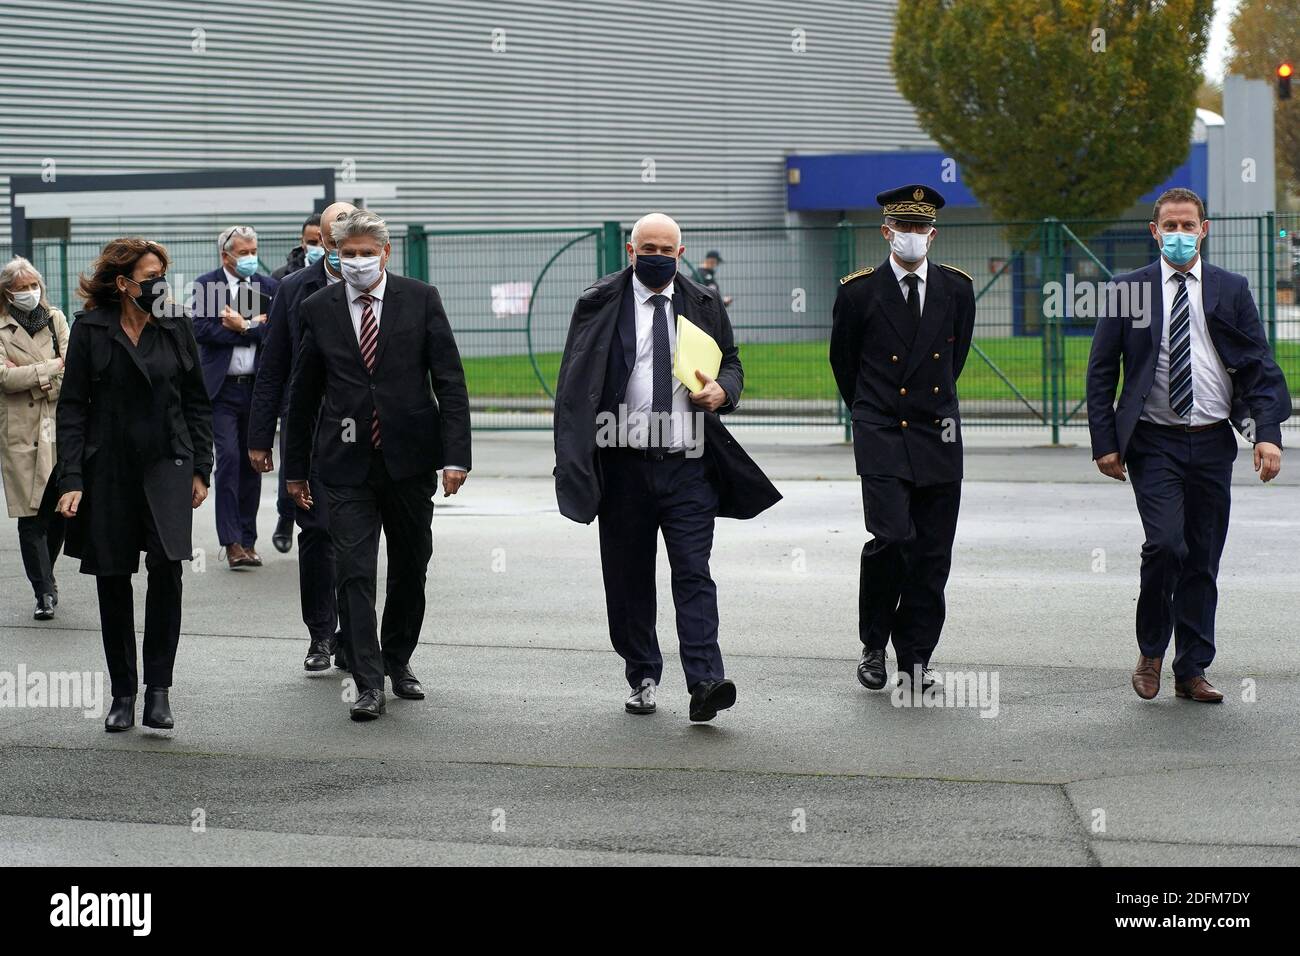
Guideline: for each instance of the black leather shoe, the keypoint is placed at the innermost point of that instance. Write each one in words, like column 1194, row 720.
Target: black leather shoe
column 369, row 705
column 121, row 715
column 318, row 657
column 283, row 536
column 710, row 697
column 157, row 710
column 405, row 684
column 44, row 608
column 871, row 669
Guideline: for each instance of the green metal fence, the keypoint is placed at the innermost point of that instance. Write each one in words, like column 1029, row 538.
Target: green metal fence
column 509, row 294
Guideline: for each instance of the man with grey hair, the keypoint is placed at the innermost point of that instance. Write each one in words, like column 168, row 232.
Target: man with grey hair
column 229, row 307
column 673, row 476
column 378, row 349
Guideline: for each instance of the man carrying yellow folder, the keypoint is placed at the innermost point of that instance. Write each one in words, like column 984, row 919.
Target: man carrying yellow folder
column 646, row 454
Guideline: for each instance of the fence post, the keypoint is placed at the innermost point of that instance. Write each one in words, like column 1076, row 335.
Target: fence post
column 1053, row 269
column 417, row 252
column 611, row 245
column 1270, row 294
column 65, row 294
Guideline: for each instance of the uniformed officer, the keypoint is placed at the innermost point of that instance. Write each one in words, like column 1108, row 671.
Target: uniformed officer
column 708, row 273
column 900, row 337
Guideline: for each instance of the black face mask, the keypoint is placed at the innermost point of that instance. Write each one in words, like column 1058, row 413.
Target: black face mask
column 655, row 271
column 152, row 291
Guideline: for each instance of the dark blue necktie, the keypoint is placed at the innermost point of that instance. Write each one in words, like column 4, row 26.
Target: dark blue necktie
column 1180, row 351
column 661, row 396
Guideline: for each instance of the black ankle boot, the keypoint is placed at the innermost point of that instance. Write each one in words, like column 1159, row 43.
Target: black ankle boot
column 157, row 711
column 121, row 716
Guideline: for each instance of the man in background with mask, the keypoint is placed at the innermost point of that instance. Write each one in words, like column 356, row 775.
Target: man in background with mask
column 900, row 336
column 378, row 349
column 310, row 249
column 1196, row 363
column 325, row 618
column 636, row 448
column 229, row 308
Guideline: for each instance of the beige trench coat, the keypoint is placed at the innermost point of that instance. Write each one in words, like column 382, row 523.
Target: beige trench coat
column 27, row 449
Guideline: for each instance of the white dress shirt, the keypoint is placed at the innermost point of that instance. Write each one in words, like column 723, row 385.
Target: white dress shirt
column 356, row 307
column 922, row 272
column 640, row 382
column 243, row 358
column 1211, row 386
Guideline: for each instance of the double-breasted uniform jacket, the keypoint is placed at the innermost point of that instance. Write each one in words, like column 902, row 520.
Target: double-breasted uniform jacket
column 898, row 379
column 598, row 356
column 27, row 445
column 108, row 395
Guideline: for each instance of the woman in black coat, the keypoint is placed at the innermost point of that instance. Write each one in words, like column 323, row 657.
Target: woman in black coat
column 135, row 457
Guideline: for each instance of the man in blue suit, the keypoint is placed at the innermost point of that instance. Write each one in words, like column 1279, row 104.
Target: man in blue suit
column 322, row 612
column 1196, row 363
column 229, row 308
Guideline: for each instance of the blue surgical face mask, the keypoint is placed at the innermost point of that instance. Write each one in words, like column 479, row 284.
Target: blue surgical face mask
column 1178, row 247
column 655, row 271
column 313, row 254
column 245, row 266
column 332, row 260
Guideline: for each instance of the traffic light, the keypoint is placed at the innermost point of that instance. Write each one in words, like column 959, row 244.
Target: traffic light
column 1284, row 71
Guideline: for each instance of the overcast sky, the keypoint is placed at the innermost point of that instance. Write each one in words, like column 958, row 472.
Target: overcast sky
column 1218, row 48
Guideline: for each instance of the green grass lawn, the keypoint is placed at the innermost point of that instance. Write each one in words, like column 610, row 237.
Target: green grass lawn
column 799, row 370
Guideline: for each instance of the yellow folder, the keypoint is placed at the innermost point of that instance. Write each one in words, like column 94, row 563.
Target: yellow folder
column 695, row 350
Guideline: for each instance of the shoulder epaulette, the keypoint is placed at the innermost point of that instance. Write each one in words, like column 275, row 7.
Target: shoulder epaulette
column 857, row 275
column 967, row 276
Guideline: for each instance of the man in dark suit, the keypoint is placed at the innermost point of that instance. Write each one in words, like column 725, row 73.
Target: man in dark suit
column 378, row 348
column 229, row 308
column 900, row 337
column 636, row 448
column 1196, row 363
column 320, row 610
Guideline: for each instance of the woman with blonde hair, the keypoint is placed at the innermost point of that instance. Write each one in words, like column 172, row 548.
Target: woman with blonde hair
column 33, row 341
column 135, row 459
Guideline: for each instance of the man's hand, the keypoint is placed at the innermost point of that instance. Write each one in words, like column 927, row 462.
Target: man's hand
column 711, row 397
column 1268, row 460
column 232, row 320
column 451, row 481
column 1111, row 466
column 261, row 460
column 198, row 492
column 69, row 504
column 300, row 493
column 258, row 319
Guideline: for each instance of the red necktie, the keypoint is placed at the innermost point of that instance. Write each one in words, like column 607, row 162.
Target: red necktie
column 369, row 341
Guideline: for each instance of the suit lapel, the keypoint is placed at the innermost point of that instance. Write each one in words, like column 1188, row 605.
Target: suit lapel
column 1210, row 292
column 627, row 324
column 342, row 309
column 389, row 318
column 1155, row 277
column 894, row 305
column 932, row 315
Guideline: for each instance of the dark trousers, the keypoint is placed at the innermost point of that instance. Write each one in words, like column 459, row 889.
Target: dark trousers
column 162, row 619
column 284, row 505
column 1183, row 485
column 323, row 609
column 40, row 538
column 642, row 497
column 403, row 510
column 905, row 565
column 237, row 488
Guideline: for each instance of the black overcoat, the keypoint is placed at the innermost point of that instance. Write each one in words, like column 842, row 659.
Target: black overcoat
column 743, row 490
column 93, row 415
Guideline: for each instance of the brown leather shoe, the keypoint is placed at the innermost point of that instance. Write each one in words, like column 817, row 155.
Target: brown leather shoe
column 1198, row 688
column 1146, row 676
column 254, row 559
column 236, row 556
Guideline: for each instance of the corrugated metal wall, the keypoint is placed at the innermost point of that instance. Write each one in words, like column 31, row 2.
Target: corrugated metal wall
column 554, row 130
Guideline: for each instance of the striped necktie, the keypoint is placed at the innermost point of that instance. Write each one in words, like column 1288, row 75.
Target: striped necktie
column 1180, row 350
column 369, row 341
